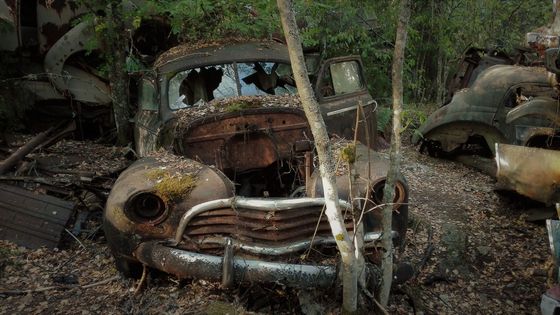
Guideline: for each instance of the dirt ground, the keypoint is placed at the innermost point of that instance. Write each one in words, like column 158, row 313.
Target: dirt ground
column 484, row 258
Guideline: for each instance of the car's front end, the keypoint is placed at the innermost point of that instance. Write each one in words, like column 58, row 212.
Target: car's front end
column 236, row 195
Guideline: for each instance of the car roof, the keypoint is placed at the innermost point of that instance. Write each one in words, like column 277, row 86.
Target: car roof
column 190, row 56
column 500, row 77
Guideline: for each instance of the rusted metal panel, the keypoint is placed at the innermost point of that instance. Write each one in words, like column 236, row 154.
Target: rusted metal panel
column 481, row 110
column 190, row 56
column 83, row 86
column 544, row 107
column 532, row 172
column 248, row 140
column 541, row 42
column 32, row 220
column 54, row 20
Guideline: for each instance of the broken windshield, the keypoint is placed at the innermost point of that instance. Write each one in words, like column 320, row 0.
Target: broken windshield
column 199, row 85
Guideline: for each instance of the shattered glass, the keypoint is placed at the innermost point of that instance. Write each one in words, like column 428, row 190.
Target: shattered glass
column 194, row 87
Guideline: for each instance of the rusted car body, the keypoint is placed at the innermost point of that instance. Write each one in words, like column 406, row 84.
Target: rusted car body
column 534, row 172
column 237, row 197
column 44, row 29
column 59, row 63
column 475, row 61
column 499, row 107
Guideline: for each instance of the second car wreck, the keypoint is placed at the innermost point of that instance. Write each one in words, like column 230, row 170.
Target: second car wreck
column 236, row 196
column 483, row 114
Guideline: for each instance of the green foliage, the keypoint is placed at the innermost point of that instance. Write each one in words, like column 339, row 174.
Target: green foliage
column 439, row 32
column 365, row 28
column 194, row 20
column 348, row 154
column 384, row 116
column 412, row 117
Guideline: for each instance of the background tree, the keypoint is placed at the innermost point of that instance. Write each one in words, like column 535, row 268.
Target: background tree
column 327, row 167
column 116, row 40
column 395, row 154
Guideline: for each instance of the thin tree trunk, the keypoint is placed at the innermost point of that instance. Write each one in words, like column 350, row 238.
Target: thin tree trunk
column 555, row 27
column 116, row 42
column 395, row 155
column 326, row 159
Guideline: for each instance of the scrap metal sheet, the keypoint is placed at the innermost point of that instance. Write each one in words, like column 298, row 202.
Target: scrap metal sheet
column 32, row 220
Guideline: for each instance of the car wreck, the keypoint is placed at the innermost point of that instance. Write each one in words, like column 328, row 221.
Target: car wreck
column 499, row 107
column 533, row 172
column 227, row 187
column 476, row 60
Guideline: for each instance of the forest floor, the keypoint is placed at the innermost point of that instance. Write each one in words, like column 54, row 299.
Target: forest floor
column 484, row 258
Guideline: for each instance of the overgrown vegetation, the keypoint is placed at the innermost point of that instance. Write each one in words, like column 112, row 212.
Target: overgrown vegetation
column 440, row 31
column 170, row 186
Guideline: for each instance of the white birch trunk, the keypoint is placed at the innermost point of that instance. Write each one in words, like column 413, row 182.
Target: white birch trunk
column 395, row 155
column 326, row 158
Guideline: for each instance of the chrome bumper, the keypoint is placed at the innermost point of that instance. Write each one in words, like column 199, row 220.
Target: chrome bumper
column 230, row 269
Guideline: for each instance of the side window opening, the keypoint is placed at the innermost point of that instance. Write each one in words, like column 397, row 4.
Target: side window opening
column 524, row 93
column 197, row 86
column 148, row 96
column 341, row 78
column 261, row 78
column 200, row 85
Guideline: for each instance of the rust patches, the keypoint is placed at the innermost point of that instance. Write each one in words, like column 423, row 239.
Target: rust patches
column 57, row 5
column 53, row 32
column 532, row 172
column 278, row 226
column 254, row 139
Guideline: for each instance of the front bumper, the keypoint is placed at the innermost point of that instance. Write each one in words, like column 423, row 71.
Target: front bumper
column 230, row 269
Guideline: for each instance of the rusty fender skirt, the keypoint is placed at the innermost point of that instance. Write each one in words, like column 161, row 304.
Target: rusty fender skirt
column 532, row 172
column 230, row 269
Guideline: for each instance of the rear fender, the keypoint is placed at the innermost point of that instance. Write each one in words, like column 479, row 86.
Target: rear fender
column 452, row 136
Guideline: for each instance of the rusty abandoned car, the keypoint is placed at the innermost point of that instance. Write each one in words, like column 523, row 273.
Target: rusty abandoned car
column 499, row 107
column 534, row 172
column 236, row 196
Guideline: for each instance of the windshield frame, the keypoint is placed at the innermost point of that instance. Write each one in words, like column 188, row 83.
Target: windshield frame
column 166, row 77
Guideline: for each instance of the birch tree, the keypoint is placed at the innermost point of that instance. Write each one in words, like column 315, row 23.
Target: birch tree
column 395, row 154
column 555, row 27
column 326, row 158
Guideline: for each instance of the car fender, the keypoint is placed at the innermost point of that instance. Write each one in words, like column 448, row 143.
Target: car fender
column 124, row 233
column 458, row 111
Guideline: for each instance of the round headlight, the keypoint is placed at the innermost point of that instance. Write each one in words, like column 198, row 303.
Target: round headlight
column 146, row 208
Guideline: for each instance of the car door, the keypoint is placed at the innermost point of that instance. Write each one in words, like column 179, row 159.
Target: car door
column 340, row 88
column 515, row 96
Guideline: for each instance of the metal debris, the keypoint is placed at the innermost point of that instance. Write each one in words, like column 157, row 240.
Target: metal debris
column 32, row 220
